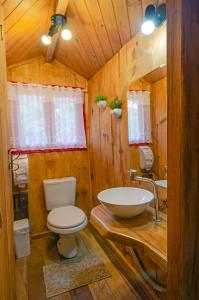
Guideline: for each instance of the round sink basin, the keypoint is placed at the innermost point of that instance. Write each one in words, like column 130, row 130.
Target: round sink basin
column 162, row 183
column 125, row 202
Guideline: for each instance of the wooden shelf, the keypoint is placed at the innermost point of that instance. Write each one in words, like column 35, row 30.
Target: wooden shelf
column 141, row 232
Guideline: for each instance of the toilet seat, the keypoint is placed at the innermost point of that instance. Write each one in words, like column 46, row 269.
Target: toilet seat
column 65, row 231
column 66, row 220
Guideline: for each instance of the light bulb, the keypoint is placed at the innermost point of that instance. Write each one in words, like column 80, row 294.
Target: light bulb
column 66, row 34
column 148, row 27
column 46, row 39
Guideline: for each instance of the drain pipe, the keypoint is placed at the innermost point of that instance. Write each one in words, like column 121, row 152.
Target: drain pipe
column 136, row 259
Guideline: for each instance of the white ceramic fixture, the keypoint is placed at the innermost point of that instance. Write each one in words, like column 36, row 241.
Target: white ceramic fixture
column 102, row 104
column 162, row 183
column 64, row 218
column 116, row 112
column 125, row 202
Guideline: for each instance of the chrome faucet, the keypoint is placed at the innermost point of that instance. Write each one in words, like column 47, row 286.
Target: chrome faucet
column 134, row 177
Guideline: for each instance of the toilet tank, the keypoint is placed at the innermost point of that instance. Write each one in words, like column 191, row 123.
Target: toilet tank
column 59, row 192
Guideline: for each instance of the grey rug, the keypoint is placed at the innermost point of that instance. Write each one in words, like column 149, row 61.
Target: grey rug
column 66, row 275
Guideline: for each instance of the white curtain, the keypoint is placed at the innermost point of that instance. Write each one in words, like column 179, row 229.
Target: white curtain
column 46, row 117
column 139, row 121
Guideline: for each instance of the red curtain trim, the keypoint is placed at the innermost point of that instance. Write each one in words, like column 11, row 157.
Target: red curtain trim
column 15, row 152
column 140, row 144
column 139, row 91
column 45, row 84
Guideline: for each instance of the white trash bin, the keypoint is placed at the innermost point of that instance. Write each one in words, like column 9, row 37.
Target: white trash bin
column 21, row 237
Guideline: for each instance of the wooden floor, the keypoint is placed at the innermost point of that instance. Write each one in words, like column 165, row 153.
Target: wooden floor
column 30, row 282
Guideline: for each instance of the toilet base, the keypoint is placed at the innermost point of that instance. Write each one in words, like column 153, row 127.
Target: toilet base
column 67, row 246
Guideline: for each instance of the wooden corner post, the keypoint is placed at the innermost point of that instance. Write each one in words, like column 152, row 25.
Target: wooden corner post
column 183, row 149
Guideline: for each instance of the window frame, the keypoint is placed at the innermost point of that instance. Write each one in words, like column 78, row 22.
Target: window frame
column 144, row 143
column 51, row 150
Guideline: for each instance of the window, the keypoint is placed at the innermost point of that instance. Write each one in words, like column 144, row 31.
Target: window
column 46, row 117
column 139, row 121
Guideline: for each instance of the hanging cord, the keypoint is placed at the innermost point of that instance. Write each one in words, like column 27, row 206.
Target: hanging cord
column 136, row 259
column 13, row 166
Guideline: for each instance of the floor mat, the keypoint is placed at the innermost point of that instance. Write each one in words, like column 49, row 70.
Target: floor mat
column 68, row 274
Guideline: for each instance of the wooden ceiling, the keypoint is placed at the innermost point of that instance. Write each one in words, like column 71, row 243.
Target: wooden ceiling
column 99, row 27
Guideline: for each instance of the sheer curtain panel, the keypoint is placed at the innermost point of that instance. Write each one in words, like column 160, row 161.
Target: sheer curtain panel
column 139, row 121
column 46, row 117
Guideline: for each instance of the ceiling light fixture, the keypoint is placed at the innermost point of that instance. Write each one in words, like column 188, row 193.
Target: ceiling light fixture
column 58, row 24
column 46, row 39
column 154, row 17
column 66, row 34
column 148, row 27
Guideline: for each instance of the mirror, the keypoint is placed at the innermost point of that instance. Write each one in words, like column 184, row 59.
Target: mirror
column 156, row 84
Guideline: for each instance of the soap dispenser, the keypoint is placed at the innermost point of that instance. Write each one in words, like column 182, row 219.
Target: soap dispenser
column 146, row 158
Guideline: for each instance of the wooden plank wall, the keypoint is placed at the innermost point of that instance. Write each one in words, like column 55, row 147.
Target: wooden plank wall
column 52, row 165
column 109, row 150
column 159, row 125
column 175, row 145
column 183, row 151
column 7, row 268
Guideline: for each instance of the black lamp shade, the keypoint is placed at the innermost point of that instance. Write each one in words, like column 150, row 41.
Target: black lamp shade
column 150, row 12
column 160, row 14
column 57, row 22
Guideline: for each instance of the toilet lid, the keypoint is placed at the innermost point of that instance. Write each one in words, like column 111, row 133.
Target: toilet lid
column 66, row 217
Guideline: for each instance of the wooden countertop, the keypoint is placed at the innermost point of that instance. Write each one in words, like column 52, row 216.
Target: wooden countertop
column 138, row 232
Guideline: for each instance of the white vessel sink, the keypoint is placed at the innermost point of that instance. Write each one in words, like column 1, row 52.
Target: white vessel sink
column 125, row 202
column 162, row 183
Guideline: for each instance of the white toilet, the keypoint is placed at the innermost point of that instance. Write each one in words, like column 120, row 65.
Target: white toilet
column 64, row 218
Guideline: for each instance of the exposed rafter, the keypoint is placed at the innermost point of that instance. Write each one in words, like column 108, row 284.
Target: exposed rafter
column 60, row 9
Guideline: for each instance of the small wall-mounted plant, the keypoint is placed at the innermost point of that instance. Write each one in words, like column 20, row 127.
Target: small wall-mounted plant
column 116, row 107
column 101, row 101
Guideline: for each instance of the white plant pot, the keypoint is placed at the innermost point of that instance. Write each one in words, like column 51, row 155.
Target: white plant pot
column 116, row 112
column 102, row 104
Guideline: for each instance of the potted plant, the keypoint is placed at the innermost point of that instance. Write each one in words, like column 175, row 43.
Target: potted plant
column 116, row 107
column 101, row 101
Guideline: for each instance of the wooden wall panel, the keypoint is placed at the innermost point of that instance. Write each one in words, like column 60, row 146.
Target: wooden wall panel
column 159, row 125
column 7, row 268
column 53, row 165
column 175, row 145
column 56, row 165
column 146, row 53
column 110, row 155
column 183, row 150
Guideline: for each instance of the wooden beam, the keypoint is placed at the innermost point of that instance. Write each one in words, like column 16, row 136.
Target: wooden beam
column 60, row 9
column 183, row 149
